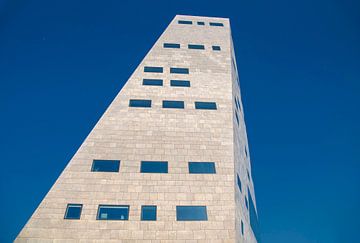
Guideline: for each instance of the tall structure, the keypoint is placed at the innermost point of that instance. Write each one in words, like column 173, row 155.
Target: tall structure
column 168, row 161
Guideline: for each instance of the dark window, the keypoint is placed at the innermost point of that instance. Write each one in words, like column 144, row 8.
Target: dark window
column 191, row 213
column 171, row 45
column 179, row 70
column 154, row 167
column 73, row 211
column 105, row 165
column 148, row 213
column 153, row 69
column 113, row 212
column 242, row 227
column 205, row 105
column 202, row 168
column 194, row 46
column 180, row 83
column 153, row 82
column 140, row 103
column 216, row 24
column 200, row 23
column 173, row 104
column 246, row 203
column 248, row 174
column 185, row 22
column 239, row 183
column 237, row 118
column 246, row 153
column 216, row 48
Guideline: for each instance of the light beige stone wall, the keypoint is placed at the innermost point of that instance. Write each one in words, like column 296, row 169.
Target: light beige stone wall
column 174, row 135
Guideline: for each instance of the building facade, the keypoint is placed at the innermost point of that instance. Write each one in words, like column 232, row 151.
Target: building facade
column 168, row 161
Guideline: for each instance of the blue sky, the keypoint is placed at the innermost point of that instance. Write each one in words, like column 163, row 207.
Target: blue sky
column 62, row 63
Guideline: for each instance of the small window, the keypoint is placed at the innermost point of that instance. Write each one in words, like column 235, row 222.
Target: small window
column 191, row 213
column 148, row 213
column 73, row 211
column 248, row 174
column 105, row 166
column 242, row 227
column 237, row 118
column 216, row 48
column 171, row 45
column 185, row 22
column 239, row 183
column 173, row 104
column 180, row 83
column 153, row 82
column 246, row 203
column 246, row 154
column 202, row 168
column 113, row 212
column 200, row 23
column 179, row 70
column 205, row 105
column 154, row 167
column 140, row 103
column 195, row 46
column 153, row 69
column 216, row 24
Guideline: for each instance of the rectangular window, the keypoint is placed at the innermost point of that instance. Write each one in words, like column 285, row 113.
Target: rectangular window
column 216, row 48
column 185, row 22
column 105, row 166
column 239, row 183
column 216, row 24
column 153, row 82
column 180, row 83
column 153, row 69
column 154, row 167
column 113, row 212
column 148, row 213
column 246, row 154
column 248, row 174
column 205, row 105
column 195, row 46
column 140, row 103
column 202, row 168
column 200, row 23
column 73, row 211
column 237, row 118
column 179, row 70
column 242, row 227
column 173, row 104
column 191, row 213
column 246, row 203
column 171, row 45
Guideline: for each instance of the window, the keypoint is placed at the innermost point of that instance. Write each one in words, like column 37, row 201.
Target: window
column 202, row 168
column 173, row 104
column 195, row 46
column 248, row 174
column 113, row 212
column 239, row 183
column 216, row 24
column 200, row 23
column 185, row 22
column 246, row 203
column 153, row 82
column 140, row 103
column 242, row 227
column 73, row 211
column 105, row 166
column 180, row 83
column 148, row 213
column 154, row 167
column 191, row 213
column 179, row 70
column 216, row 48
column 246, row 153
column 237, row 118
column 153, row 69
column 171, row 45
column 205, row 105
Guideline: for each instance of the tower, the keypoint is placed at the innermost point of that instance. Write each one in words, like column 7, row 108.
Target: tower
column 168, row 161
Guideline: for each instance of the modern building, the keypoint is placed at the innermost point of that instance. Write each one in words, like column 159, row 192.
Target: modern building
column 168, row 161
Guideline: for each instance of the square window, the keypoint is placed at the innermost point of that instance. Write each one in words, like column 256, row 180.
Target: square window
column 180, row 83
column 154, row 167
column 105, row 166
column 205, row 105
column 202, row 168
column 191, row 213
column 113, row 212
column 73, row 211
column 140, row 103
column 148, row 213
column 173, row 104
column 216, row 48
column 152, row 82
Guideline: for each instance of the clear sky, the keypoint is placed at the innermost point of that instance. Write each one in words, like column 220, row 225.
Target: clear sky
column 62, row 63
